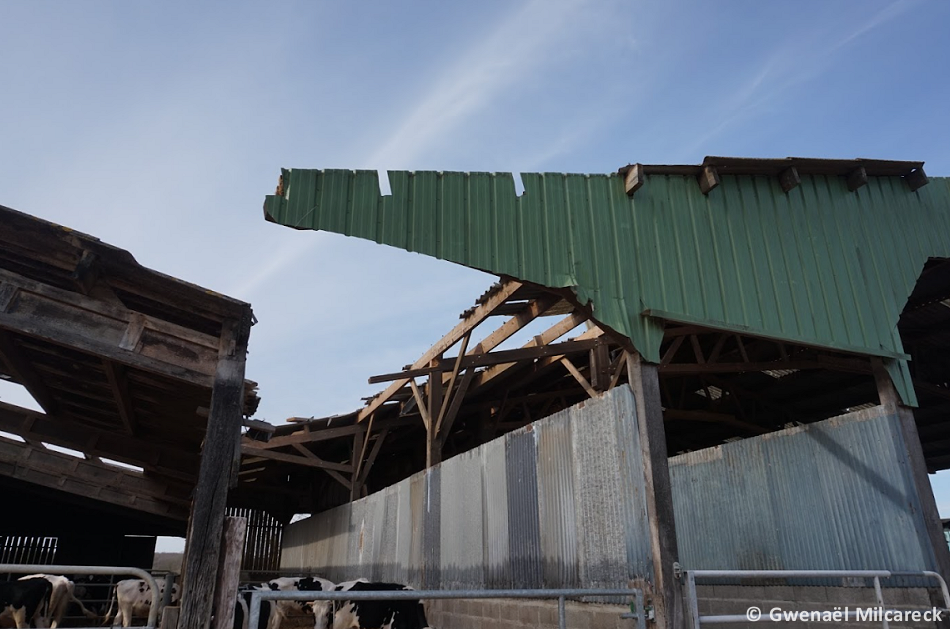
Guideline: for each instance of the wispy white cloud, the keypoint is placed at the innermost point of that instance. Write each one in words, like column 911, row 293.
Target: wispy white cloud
column 788, row 66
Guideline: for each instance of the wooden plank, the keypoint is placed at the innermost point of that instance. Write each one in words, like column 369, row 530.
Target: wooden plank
column 380, row 438
column 708, row 179
column 229, row 571
column 420, row 403
column 917, row 179
column 857, row 178
column 17, row 366
column 303, row 437
column 219, row 466
column 645, row 383
column 433, row 441
column 89, row 478
column 457, row 400
column 579, row 377
column 495, row 358
column 633, row 179
column 478, row 315
column 68, row 433
column 307, row 461
column 710, row 417
column 789, row 179
column 115, row 374
column 451, row 385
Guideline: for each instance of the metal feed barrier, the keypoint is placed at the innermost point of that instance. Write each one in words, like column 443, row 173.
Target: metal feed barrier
column 874, row 575
column 257, row 596
column 99, row 570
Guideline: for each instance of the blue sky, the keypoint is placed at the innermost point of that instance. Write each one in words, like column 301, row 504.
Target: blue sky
column 159, row 127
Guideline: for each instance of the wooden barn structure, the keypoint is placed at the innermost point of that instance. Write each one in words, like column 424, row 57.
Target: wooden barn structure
column 130, row 366
column 736, row 298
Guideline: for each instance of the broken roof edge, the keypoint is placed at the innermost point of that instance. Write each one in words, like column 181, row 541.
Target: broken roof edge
column 803, row 265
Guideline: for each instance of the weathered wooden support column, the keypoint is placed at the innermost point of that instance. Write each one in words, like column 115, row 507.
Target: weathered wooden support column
column 216, row 473
column 890, row 400
column 667, row 595
column 433, row 439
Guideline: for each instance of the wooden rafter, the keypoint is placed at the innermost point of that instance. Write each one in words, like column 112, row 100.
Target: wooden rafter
column 150, row 455
column 307, row 461
column 21, row 370
column 479, row 314
column 120, row 390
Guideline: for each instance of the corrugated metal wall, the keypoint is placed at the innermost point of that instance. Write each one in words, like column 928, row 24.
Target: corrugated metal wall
column 545, row 506
column 837, row 494
column 561, row 503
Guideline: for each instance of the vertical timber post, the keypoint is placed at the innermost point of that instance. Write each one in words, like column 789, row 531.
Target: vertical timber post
column 229, row 572
column 667, row 595
column 890, row 400
column 433, row 440
column 218, row 454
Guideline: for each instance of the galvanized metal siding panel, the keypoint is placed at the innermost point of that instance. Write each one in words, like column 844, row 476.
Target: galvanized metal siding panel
column 600, row 523
column 524, row 527
column 495, row 514
column 837, row 494
column 559, row 503
column 820, row 264
column 462, row 532
column 558, row 522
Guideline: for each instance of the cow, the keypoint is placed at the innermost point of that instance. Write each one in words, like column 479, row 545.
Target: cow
column 374, row 614
column 25, row 600
column 134, row 598
column 279, row 612
column 62, row 594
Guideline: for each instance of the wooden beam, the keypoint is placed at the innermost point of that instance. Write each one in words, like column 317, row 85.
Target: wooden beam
column 446, row 426
column 708, row 179
column 645, row 383
column 455, row 372
column 68, row 433
column 917, row 179
column 857, row 178
column 229, row 571
column 109, row 331
column 495, row 358
column 312, row 436
column 789, row 179
column 115, row 374
column 310, row 460
column 478, row 315
column 18, row 367
column 220, row 462
column 89, row 479
column 633, row 179
column 579, row 377
column 420, row 403
column 710, row 417
column 380, row 438
column 433, row 441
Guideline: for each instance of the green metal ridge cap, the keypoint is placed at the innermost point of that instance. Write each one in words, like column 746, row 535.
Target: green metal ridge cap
column 819, row 264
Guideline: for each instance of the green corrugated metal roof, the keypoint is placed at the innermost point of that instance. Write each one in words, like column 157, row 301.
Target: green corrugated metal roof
column 819, row 265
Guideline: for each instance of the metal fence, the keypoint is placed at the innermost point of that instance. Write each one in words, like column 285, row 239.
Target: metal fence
column 754, row 614
column 557, row 504
column 561, row 594
column 28, row 549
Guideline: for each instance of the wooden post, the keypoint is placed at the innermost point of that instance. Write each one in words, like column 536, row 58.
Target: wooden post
column 214, row 476
column 433, row 439
column 229, row 571
column 667, row 595
column 890, row 400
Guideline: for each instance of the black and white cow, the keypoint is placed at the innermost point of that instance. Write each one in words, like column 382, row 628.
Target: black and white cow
column 62, row 594
column 272, row 615
column 25, row 601
column 134, row 598
column 367, row 614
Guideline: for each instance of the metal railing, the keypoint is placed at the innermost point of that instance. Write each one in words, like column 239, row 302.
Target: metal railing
column 411, row 595
column 94, row 570
column 874, row 575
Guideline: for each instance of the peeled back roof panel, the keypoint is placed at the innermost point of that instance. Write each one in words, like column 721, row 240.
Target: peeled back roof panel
column 820, row 265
